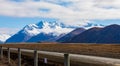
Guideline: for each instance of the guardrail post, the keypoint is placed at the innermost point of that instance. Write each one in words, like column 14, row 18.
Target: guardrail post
column 66, row 60
column 8, row 55
column 45, row 60
column 35, row 58
column 19, row 57
column 1, row 52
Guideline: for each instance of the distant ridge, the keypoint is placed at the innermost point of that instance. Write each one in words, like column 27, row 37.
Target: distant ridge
column 70, row 35
column 108, row 34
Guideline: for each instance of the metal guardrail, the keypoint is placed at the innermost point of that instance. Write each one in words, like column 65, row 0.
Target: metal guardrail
column 67, row 58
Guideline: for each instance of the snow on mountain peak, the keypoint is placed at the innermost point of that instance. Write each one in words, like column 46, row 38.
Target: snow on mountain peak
column 31, row 29
column 46, row 27
column 40, row 24
column 55, row 28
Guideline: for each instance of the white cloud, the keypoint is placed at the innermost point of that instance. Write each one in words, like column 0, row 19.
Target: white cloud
column 9, row 31
column 69, row 11
column 4, row 37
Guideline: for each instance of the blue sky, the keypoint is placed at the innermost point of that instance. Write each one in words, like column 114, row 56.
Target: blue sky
column 15, row 14
column 17, row 22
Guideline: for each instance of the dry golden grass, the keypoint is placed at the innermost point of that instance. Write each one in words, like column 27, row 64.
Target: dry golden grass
column 4, row 62
column 105, row 50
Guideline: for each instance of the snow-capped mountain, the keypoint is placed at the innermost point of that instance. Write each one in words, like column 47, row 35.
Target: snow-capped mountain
column 47, row 28
column 42, row 30
column 3, row 37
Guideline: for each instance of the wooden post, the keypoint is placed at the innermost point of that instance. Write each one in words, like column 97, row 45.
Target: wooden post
column 35, row 58
column 1, row 52
column 8, row 55
column 19, row 57
column 66, row 60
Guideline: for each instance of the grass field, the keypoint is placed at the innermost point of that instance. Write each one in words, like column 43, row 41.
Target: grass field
column 104, row 50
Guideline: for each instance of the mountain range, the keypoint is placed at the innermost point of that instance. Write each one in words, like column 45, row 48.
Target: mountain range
column 58, row 32
column 47, row 31
column 108, row 34
column 41, row 31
